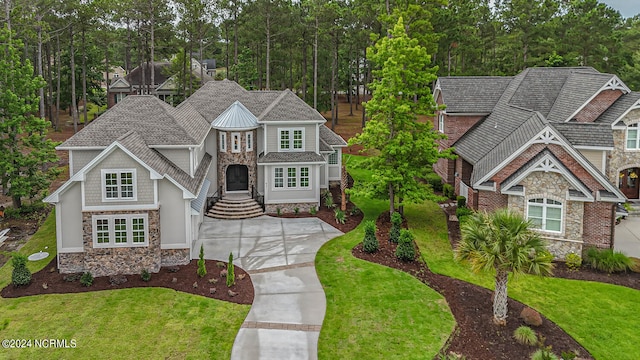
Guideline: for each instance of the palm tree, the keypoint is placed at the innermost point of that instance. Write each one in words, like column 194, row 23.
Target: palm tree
column 503, row 242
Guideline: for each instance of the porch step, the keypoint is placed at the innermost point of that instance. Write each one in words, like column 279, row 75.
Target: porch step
column 235, row 208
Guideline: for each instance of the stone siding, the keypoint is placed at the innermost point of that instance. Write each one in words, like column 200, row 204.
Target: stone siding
column 69, row 263
column 288, row 208
column 620, row 159
column 250, row 159
column 173, row 257
column 598, row 105
column 560, row 248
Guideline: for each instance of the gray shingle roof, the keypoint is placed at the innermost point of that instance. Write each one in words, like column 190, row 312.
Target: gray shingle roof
column 291, row 157
column 586, row 134
column 158, row 123
column 289, row 107
column 615, row 111
column 539, row 88
column 331, row 138
column 134, row 142
column 472, row 94
column 236, row 117
column 324, row 147
column 579, row 87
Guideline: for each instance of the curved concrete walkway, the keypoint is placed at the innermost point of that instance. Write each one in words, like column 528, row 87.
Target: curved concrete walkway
column 289, row 304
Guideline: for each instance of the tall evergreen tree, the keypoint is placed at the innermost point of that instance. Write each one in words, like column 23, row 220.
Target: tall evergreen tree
column 24, row 151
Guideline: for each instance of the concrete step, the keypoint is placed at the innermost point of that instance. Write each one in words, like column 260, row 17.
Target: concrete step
column 235, row 208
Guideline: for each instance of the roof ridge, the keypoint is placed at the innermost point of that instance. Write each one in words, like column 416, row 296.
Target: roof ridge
column 272, row 105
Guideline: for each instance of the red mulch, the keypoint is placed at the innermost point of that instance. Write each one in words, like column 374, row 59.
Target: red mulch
column 475, row 336
column 185, row 278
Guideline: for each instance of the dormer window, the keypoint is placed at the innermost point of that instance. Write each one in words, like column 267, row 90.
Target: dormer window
column 633, row 138
column 291, row 139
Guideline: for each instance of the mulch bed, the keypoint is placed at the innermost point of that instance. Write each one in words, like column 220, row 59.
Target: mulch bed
column 180, row 278
column 475, row 336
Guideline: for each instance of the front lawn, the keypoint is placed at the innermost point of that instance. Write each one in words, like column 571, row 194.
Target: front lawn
column 601, row 317
column 152, row 323
column 375, row 312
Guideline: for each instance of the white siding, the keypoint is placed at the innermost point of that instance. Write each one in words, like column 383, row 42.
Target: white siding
column 70, row 210
column 172, row 214
column 595, row 157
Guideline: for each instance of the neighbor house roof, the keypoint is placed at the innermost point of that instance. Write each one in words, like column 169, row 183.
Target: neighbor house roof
column 157, row 122
column 161, row 73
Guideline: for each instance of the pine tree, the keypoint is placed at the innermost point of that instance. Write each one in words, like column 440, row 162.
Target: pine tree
column 231, row 276
column 24, row 151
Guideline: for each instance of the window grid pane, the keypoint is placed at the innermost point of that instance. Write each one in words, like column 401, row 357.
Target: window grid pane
column 279, row 179
column 126, row 185
column 291, row 177
column 249, row 141
column 120, row 233
column 102, row 231
column 111, row 185
column 284, row 139
column 304, row 177
column 333, row 158
column 138, row 230
column 297, row 139
column 545, row 214
column 632, row 138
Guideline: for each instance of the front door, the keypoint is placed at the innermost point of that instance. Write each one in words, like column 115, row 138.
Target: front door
column 237, row 178
column 628, row 183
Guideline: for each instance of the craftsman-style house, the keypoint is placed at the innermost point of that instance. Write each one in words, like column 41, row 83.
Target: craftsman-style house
column 144, row 174
column 559, row 145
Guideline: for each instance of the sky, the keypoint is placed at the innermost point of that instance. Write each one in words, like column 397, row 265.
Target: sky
column 627, row 8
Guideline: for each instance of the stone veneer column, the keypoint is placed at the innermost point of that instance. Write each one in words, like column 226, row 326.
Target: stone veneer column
column 250, row 159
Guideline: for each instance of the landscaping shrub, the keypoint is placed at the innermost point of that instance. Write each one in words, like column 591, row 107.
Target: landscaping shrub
column 370, row 243
column 396, row 223
column 313, row 210
column 340, row 216
column 607, row 260
column 462, row 201
column 435, row 181
column 525, row 336
column 405, row 250
column 355, row 211
column 145, row 275
column 278, row 211
column 328, row 200
column 573, row 261
column 449, row 191
column 21, row 275
column 568, row 355
column 202, row 269
column 543, row 354
column 86, row 279
column 296, row 210
column 231, row 276
column 462, row 212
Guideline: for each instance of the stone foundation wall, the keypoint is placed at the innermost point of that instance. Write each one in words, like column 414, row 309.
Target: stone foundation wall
column 560, row 248
column 289, row 208
column 69, row 263
column 173, row 257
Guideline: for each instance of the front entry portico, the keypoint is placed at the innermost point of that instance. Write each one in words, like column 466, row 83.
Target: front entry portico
column 629, row 183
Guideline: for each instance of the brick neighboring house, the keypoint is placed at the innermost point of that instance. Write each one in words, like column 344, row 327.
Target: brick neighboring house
column 559, row 145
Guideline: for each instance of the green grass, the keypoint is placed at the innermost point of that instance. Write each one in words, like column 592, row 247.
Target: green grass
column 601, row 317
column 375, row 312
column 152, row 323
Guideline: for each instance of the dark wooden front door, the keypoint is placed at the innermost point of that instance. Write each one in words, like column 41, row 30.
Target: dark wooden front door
column 628, row 182
column 237, row 178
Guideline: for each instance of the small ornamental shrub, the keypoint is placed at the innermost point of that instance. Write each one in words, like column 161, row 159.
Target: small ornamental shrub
column 573, row 261
column 449, row 191
column 340, row 216
column 405, row 250
column 355, row 211
column 202, row 269
column 543, row 354
column 568, row 355
column 21, row 275
column 278, row 211
column 396, row 223
column 86, row 279
column 462, row 201
column 370, row 243
column 231, row 276
column 608, row 260
column 313, row 210
column 462, row 212
column 145, row 275
column 296, row 210
column 328, row 201
column 525, row 336
column 435, row 181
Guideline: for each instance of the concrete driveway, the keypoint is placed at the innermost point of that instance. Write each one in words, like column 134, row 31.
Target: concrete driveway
column 289, row 304
column 627, row 237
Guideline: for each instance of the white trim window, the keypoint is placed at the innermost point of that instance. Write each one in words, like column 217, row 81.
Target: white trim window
column 545, row 214
column 291, row 139
column 119, row 97
column 122, row 230
column 441, row 122
column 235, row 142
column 293, row 177
column 333, row 158
column 223, row 141
column 118, row 184
column 249, row 135
column 633, row 137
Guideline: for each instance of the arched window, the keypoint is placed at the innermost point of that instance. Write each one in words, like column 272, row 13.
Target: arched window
column 545, row 214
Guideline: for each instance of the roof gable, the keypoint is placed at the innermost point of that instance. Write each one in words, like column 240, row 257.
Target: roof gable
column 470, row 94
column 289, row 107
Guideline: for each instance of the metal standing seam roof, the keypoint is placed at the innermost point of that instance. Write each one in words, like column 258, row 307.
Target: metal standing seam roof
column 157, row 122
column 235, row 117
